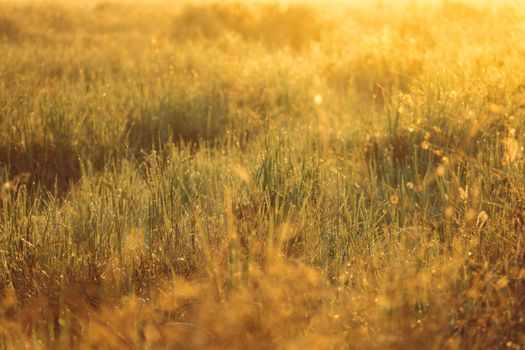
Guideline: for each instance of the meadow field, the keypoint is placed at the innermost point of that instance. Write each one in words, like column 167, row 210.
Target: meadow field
column 257, row 175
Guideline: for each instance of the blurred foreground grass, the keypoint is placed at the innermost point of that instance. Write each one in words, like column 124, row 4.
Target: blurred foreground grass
column 262, row 176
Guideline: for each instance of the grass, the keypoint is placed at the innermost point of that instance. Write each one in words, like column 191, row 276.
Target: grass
column 211, row 175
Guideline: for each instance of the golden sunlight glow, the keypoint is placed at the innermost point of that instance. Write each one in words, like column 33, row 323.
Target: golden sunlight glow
column 324, row 174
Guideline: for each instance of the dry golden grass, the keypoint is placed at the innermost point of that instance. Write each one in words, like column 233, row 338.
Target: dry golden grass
column 212, row 175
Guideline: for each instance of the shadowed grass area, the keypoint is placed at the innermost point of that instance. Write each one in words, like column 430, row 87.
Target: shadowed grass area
column 210, row 175
column 295, row 26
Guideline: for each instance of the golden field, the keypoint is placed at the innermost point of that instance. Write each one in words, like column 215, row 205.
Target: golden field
column 209, row 175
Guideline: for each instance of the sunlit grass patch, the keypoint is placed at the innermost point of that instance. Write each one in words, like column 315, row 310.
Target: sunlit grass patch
column 234, row 175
